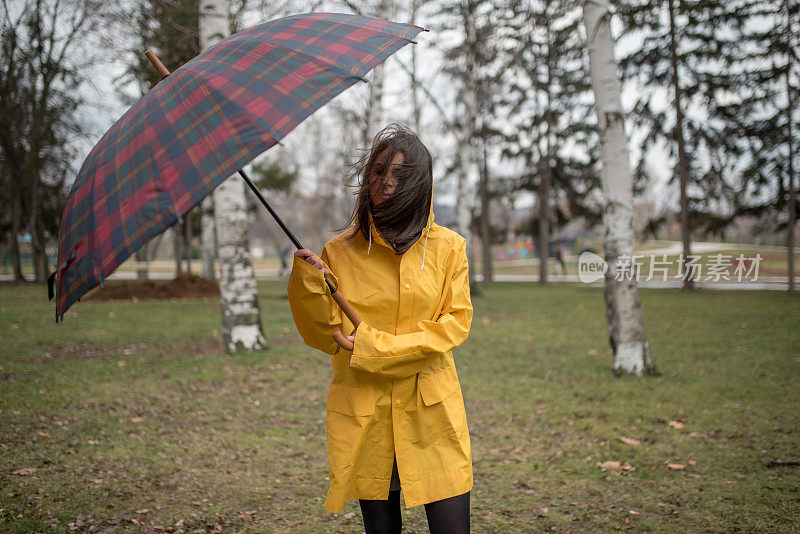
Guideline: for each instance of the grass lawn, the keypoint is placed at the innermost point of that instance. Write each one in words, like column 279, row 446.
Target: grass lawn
column 127, row 417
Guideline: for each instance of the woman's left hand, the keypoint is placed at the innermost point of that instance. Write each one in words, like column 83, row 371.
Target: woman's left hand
column 352, row 337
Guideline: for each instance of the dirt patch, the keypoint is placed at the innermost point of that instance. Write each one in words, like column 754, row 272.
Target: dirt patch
column 184, row 286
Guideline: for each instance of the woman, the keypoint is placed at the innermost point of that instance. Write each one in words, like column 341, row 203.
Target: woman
column 395, row 414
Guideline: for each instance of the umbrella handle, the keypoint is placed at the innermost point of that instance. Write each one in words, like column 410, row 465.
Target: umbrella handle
column 349, row 312
column 162, row 70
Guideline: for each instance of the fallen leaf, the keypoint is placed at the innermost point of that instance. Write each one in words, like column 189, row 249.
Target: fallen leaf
column 93, row 442
column 25, row 471
column 137, row 419
column 143, row 511
column 609, row 464
column 121, row 363
column 691, row 462
column 349, row 515
column 675, row 424
column 629, row 441
column 698, row 435
column 633, row 512
column 43, row 434
column 676, row 467
column 485, row 320
column 111, row 315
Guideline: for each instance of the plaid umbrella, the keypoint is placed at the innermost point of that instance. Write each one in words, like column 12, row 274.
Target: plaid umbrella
column 200, row 125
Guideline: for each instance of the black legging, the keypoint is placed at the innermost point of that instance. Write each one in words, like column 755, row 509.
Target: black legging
column 448, row 516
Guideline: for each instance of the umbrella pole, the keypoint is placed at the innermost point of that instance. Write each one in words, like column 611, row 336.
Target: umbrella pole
column 337, row 296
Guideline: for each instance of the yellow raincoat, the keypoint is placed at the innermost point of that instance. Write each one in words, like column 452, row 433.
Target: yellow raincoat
column 397, row 393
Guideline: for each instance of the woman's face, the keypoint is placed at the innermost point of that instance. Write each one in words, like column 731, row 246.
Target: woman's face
column 382, row 179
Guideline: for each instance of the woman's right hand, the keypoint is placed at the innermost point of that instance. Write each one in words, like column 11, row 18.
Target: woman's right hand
column 309, row 257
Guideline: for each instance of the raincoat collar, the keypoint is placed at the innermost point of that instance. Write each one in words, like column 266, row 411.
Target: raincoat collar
column 376, row 236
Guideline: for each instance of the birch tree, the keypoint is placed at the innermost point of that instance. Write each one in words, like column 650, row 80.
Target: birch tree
column 623, row 307
column 468, row 127
column 241, row 317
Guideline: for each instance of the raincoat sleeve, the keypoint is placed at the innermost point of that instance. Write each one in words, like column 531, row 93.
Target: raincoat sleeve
column 400, row 356
column 315, row 313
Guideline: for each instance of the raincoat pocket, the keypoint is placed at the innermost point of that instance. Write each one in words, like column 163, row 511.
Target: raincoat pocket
column 359, row 401
column 444, row 409
column 436, row 387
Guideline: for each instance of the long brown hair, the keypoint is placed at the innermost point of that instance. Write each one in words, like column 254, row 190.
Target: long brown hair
column 400, row 218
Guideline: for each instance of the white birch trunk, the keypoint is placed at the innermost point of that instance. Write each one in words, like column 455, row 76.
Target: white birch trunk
column 465, row 139
column 415, row 105
column 208, row 238
column 241, row 317
column 375, row 109
column 623, row 307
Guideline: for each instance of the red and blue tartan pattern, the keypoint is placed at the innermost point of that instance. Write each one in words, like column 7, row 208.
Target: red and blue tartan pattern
column 201, row 124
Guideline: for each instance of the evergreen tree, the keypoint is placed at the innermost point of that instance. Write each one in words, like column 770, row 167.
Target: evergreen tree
column 684, row 58
column 761, row 117
column 551, row 126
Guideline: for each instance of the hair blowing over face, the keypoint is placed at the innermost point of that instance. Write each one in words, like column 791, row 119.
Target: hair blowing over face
column 401, row 218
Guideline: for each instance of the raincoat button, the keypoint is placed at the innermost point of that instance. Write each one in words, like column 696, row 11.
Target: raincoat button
column 397, row 402
column 408, row 286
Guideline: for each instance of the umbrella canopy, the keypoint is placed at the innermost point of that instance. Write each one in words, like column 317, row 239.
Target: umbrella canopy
column 201, row 124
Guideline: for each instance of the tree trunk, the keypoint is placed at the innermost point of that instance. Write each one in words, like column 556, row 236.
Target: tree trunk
column 467, row 135
column 241, row 316
column 546, row 169
column 683, row 167
column 544, row 215
column 37, row 235
column 486, row 237
column 187, row 241
column 16, row 227
column 789, row 108
column 375, row 109
column 623, row 307
column 176, row 247
column 208, row 237
column 415, row 104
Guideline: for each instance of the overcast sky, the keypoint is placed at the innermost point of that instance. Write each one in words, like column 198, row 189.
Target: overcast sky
column 106, row 108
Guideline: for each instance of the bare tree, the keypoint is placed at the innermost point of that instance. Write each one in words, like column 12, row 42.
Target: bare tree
column 41, row 73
